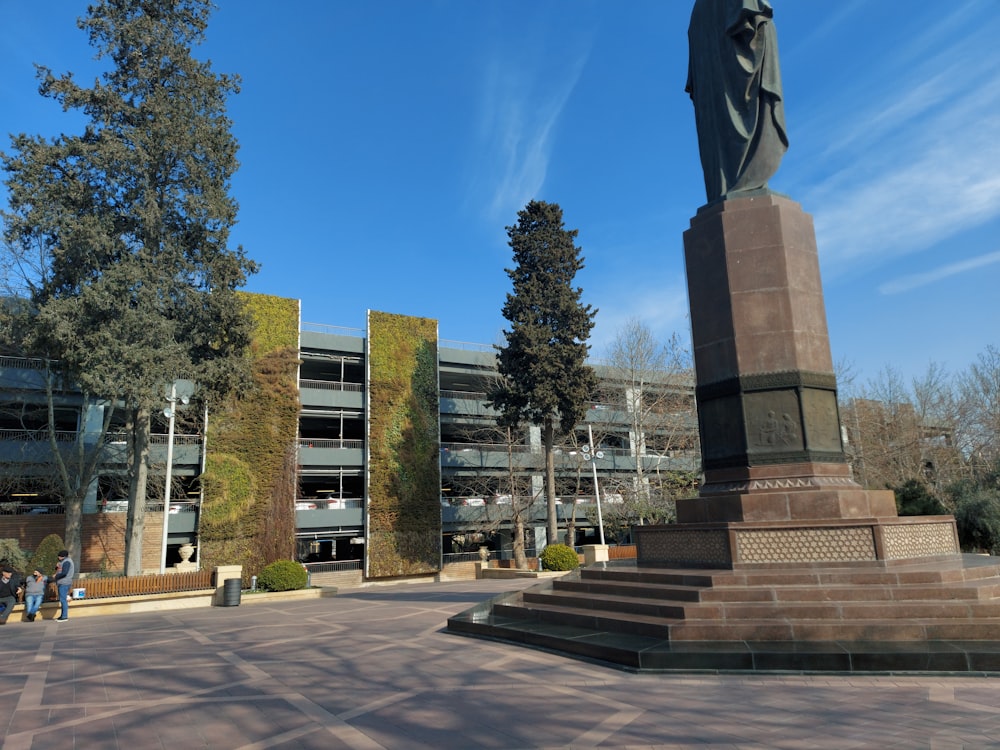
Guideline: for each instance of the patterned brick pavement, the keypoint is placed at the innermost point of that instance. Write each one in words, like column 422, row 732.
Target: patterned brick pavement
column 371, row 668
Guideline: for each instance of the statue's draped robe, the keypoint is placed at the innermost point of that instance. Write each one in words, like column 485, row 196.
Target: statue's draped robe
column 735, row 83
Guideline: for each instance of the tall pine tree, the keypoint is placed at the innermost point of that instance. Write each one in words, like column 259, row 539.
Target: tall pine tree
column 135, row 285
column 544, row 379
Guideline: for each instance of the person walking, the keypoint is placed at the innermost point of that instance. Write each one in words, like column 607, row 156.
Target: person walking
column 64, row 580
column 10, row 589
column 34, row 593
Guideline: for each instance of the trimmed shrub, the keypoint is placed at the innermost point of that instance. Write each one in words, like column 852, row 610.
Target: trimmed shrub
column 977, row 518
column 12, row 555
column 46, row 555
column 914, row 498
column 283, row 575
column 560, row 557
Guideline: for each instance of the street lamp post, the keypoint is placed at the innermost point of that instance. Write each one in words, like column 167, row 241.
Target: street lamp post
column 169, row 412
column 591, row 454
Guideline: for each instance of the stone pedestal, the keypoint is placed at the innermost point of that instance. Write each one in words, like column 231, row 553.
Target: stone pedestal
column 772, row 454
column 872, row 542
column 766, row 391
column 595, row 553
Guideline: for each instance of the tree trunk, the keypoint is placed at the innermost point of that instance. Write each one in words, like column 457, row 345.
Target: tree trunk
column 74, row 527
column 552, row 525
column 74, row 483
column 138, row 473
column 520, row 561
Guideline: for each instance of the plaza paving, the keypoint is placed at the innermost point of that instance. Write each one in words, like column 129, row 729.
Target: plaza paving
column 372, row 668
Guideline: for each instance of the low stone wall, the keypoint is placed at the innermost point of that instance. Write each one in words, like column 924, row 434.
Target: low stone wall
column 344, row 579
column 520, row 573
column 159, row 602
column 460, row 571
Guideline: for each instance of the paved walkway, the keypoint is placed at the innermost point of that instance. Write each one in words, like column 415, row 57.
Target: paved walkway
column 371, row 668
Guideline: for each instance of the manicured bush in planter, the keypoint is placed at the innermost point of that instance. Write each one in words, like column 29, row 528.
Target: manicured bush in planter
column 13, row 556
column 560, row 557
column 47, row 555
column 282, row 575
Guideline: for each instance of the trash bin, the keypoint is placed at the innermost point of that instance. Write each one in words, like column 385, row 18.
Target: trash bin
column 231, row 592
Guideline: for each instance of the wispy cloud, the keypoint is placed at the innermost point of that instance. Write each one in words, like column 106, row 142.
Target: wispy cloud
column 915, row 165
column 521, row 105
column 916, row 280
column 930, row 193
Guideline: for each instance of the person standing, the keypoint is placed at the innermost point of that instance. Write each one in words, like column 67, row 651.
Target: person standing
column 34, row 593
column 64, row 580
column 10, row 588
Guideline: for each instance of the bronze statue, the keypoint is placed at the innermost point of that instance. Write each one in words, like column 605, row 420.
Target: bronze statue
column 735, row 83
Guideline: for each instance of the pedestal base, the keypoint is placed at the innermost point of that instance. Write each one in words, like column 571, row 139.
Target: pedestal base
column 766, row 390
column 858, row 541
column 789, row 492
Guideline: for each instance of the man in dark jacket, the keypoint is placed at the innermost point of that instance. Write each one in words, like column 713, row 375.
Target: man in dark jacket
column 10, row 587
column 64, row 580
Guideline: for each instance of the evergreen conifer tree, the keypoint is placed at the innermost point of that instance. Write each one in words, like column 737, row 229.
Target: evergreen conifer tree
column 544, row 379
column 134, row 284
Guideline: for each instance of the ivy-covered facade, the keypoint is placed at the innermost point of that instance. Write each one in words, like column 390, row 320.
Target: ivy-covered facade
column 404, row 474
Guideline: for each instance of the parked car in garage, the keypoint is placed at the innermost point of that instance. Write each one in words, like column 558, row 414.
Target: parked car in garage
column 115, row 506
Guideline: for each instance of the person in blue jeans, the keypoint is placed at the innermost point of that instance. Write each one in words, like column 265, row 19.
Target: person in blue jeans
column 64, row 580
column 34, row 593
column 10, row 588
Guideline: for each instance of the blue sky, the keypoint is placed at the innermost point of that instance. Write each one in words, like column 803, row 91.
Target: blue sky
column 386, row 144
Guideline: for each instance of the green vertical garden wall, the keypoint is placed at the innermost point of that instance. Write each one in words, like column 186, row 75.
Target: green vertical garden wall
column 248, row 512
column 404, row 470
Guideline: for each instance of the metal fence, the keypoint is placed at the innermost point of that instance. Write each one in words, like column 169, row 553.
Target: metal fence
column 331, row 385
column 458, row 557
column 335, row 443
column 336, row 566
column 28, row 509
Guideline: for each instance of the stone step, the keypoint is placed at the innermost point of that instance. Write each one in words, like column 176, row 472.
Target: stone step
column 964, row 590
column 965, row 568
column 655, row 654
column 785, row 610
column 975, row 590
column 654, row 576
column 634, row 624
column 938, row 616
column 583, row 600
column 760, row 630
column 602, row 588
column 918, row 630
column 889, row 611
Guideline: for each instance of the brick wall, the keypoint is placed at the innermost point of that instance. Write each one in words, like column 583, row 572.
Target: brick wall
column 102, row 537
column 460, row 571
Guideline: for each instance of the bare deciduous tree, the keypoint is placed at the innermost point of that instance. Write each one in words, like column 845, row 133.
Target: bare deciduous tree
column 648, row 386
column 897, row 434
